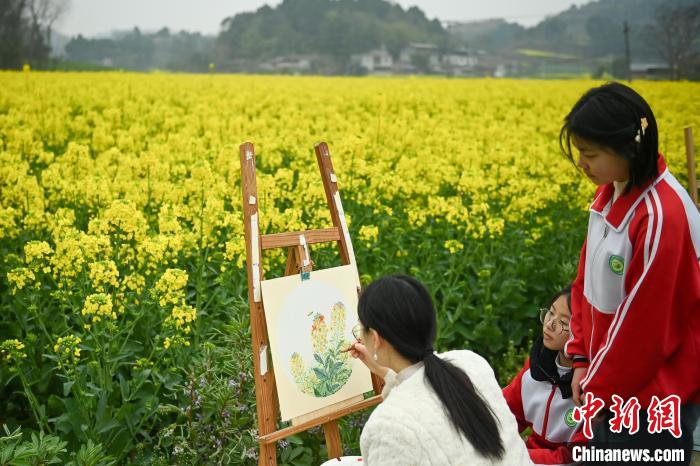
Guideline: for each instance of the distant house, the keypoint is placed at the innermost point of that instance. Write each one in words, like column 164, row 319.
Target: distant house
column 460, row 62
column 420, row 57
column 377, row 61
column 650, row 71
column 295, row 64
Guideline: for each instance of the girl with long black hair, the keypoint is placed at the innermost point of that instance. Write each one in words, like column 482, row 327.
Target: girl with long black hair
column 438, row 409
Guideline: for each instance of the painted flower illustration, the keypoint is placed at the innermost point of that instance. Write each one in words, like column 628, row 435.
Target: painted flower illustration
column 331, row 369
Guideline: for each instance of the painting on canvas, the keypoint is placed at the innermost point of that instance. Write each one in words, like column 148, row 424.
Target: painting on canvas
column 309, row 322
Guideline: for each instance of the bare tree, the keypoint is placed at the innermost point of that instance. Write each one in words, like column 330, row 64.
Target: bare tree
column 44, row 13
column 12, row 33
column 675, row 35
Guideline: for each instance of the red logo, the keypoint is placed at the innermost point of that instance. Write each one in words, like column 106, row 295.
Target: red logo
column 665, row 415
column 662, row 414
column 625, row 415
column 591, row 406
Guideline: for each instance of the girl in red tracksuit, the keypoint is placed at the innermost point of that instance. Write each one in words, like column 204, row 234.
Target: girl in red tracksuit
column 635, row 323
column 540, row 395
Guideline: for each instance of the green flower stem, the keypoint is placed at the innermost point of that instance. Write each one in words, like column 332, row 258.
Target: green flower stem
column 33, row 402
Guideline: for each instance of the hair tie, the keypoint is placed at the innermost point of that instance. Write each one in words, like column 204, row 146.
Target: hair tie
column 428, row 352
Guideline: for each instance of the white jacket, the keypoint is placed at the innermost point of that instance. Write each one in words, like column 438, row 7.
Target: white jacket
column 411, row 427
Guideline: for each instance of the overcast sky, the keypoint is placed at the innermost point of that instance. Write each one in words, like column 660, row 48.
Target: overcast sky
column 95, row 17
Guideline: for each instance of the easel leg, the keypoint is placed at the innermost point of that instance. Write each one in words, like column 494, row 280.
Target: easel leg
column 268, row 455
column 292, row 262
column 333, row 443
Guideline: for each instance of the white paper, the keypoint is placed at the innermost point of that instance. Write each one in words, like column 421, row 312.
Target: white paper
column 263, row 360
column 255, row 245
column 302, row 241
column 308, row 320
column 344, row 227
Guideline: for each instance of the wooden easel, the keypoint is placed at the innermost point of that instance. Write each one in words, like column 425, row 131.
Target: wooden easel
column 298, row 260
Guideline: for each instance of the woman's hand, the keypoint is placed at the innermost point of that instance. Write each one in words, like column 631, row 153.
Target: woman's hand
column 579, row 375
column 360, row 351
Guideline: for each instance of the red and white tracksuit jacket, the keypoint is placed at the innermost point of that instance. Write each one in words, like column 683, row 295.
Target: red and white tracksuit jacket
column 541, row 405
column 635, row 302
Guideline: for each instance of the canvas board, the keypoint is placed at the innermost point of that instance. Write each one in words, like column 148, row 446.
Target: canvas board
column 308, row 323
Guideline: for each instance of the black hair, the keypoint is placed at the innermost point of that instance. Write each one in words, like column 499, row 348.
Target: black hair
column 611, row 116
column 401, row 310
column 566, row 291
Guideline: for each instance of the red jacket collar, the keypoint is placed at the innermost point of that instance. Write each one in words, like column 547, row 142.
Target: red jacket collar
column 623, row 207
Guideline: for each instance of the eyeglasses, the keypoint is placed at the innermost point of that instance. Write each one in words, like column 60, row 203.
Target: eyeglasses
column 357, row 332
column 547, row 318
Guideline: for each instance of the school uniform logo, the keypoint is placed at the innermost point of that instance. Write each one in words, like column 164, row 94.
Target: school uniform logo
column 617, row 264
column 569, row 417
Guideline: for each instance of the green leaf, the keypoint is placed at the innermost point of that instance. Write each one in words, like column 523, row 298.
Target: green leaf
column 296, row 451
column 103, row 427
column 123, row 386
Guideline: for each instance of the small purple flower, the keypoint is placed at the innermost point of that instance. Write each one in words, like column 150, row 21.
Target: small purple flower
column 251, row 453
column 197, row 399
column 283, row 444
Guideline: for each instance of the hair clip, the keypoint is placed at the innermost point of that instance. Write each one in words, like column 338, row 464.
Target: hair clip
column 644, row 124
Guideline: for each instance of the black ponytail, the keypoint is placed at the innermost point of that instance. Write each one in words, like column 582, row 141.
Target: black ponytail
column 401, row 310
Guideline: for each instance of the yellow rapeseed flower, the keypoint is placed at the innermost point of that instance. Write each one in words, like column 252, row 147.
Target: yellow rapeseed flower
column 19, row 278
column 12, row 350
column 170, row 287
column 98, row 306
column 103, row 273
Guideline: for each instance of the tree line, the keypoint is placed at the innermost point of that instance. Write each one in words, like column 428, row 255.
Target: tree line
column 25, row 31
column 334, row 30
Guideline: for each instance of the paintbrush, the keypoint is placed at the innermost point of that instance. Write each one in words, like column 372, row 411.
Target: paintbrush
column 348, row 348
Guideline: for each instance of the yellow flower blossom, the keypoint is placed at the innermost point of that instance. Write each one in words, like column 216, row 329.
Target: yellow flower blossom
column 453, row 246
column 338, row 319
column 134, row 282
column 19, row 278
column 36, row 252
column 12, row 350
column 103, row 273
column 170, row 287
column 368, row 234
column 182, row 315
column 98, row 306
column 319, row 334
column 67, row 350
